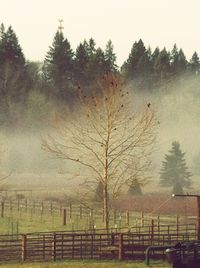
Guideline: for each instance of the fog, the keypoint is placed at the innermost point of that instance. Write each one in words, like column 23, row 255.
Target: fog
column 177, row 109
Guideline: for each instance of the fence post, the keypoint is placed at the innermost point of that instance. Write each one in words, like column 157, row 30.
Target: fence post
column 2, row 209
column 43, row 239
column 177, row 225
column 24, row 244
column 64, row 216
column 127, row 217
column 70, row 211
column 114, row 216
column 142, row 219
column 158, row 224
column 80, row 210
column 54, row 247
column 120, row 255
column 152, row 231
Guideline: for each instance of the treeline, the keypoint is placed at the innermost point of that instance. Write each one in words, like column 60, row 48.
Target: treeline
column 27, row 87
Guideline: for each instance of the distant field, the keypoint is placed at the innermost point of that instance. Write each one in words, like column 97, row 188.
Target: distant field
column 86, row 264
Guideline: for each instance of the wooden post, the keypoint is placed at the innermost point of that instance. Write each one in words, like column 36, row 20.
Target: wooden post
column 70, row 211
column 114, row 216
column 127, row 217
column 54, row 247
column 158, row 225
column 142, row 219
column 120, row 253
column 152, row 230
column 24, row 243
column 112, row 239
column 80, row 211
column 43, row 248
column 2, row 209
column 12, row 228
column 64, row 216
column 177, row 225
column 198, row 217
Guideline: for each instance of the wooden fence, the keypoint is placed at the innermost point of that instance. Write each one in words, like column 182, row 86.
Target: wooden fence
column 77, row 216
column 96, row 244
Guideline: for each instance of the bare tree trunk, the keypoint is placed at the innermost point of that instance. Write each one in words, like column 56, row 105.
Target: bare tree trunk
column 106, row 206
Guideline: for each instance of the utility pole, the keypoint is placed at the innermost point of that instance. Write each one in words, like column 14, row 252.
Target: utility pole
column 198, row 209
column 60, row 27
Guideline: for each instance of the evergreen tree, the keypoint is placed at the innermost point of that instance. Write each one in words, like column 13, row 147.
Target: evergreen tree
column 110, row 58
column 135, row 64
column 135, row 188
column 174, row 172
column 13, row 75
column 178, row 61
column 138, row 66
column 10, row 50
column 59, row 66
column 182, row 62
column 162, row 66
column 98, row 65
column 195, row 63
column 99, row 192
column 81, row 62
column 155, row 55
column 174, row 58
column 91, row 47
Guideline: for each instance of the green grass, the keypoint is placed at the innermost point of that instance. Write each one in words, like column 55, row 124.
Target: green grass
column 27, row 221
column 86, row 264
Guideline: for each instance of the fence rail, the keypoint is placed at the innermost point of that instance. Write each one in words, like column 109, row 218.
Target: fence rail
column 81, row 245
column 55, row 215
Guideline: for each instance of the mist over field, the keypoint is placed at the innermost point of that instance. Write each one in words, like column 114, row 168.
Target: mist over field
column 177, row 111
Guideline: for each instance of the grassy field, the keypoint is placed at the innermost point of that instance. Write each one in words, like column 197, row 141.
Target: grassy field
column 26, row 220
column 86, row 264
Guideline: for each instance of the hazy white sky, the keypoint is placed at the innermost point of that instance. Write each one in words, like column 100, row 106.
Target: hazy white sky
column 157, row 22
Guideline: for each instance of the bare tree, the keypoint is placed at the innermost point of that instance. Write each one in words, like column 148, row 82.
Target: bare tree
column 107, row 137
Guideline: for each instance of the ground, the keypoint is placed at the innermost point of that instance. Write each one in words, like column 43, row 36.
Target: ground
column 86, row 264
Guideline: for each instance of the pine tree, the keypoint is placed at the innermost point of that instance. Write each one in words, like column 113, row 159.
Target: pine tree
column 174, row 172
column 135, row 64
column 162, row 66
column 178, row 61
column 91, row 47
column 174, row 58
column 81, row 62
column 13, row 75
column 110, row 58
column 195, row 63
column 135, row 188
column 98, row 64
column 182, row 62
column 59, row 66
column 99, row 192
column 10, row 50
